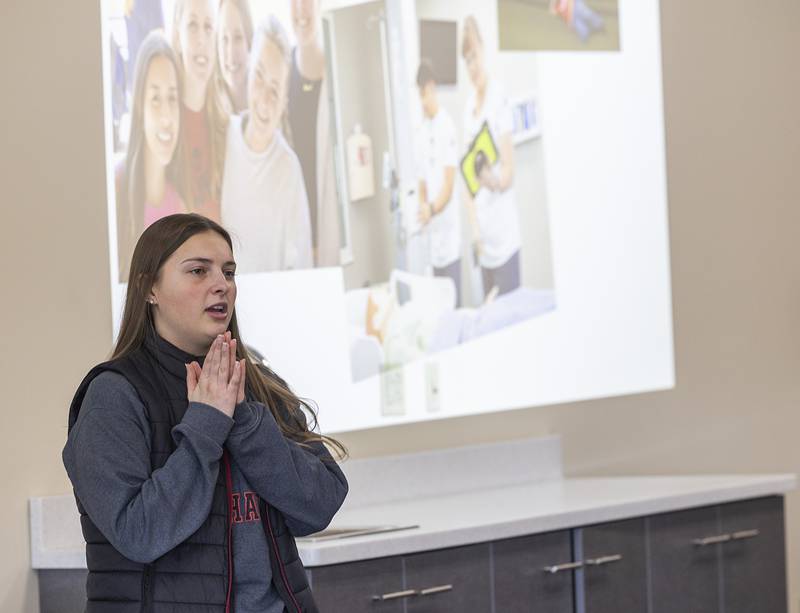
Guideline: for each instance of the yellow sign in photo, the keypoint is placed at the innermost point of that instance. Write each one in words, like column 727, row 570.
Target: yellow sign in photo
column 480, row 157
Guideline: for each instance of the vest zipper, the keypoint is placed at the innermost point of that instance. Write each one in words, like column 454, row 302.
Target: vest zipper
column 229, row 491
column 146, row 596
column 280, row 561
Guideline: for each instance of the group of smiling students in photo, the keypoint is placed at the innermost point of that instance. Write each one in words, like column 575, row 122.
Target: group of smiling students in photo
column 231, row 122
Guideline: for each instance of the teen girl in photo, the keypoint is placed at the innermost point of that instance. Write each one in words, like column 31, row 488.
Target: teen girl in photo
column 234, row 37
column 147, row 184
column 194, row 467
column 204, row 125
column 264, row 201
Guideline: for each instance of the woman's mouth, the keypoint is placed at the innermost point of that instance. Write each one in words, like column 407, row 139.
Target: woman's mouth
column 218, row 311
column 263, row 117
column 164, row 136
column 201, row 61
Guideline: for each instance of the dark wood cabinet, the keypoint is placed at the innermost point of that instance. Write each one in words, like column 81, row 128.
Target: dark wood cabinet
column 754, row 559
column 449, row 580
column 521, row 583
column 438, row 581
column 614, row 573
column 727, row 558
column 370, row 586
column 684, row 575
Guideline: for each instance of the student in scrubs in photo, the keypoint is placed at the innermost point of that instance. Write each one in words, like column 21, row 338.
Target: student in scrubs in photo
column 234, row 37
column 437, row 160
column 492, row 210
column 203, row 134
column 264, row 201
column 147, row 184
column 309, row 119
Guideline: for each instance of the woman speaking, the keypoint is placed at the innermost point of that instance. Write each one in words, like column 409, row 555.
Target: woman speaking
column 193, row 467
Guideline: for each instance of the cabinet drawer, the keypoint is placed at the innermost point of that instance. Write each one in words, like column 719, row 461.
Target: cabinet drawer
column 356, row 587
column 449, row 580
column 521, row 585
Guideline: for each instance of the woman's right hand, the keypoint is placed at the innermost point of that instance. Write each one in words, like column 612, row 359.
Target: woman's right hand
column 216, row 385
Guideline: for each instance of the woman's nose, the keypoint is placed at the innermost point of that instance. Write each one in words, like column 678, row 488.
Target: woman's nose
column 220, row 282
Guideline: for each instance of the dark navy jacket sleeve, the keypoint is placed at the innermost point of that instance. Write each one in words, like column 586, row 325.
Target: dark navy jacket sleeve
column 107, row 457
column 303, row 482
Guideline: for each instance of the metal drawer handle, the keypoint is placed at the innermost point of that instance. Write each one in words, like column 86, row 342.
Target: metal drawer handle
column 603, row 560
column 435, row 590
column 559, row 567
column 395, row 595
column 712, row 540
column 745, row 534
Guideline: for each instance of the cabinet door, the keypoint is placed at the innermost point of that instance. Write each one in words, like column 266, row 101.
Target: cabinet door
column 357, row 587
column 521, row 585
column 449, row 580
column 754, row 560
column 62, row 591
column 615, row 567
column 684, row 575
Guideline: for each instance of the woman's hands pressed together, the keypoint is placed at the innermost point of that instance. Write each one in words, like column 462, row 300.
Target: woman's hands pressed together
column 220, row 382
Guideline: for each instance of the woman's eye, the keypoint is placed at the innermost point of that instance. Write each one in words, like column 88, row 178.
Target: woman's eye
column 230, row 274
column 192, row 26
column 196, row 270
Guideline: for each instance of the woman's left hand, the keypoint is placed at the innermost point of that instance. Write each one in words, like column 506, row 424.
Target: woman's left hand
column 232, row 355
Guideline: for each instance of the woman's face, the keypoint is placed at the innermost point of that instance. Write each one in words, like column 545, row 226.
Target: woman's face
column 474, row 61
column 161, row 109
column 305, row 20
column 267, row 90
column 196, row 39
column 233, row 46
column 198, row 275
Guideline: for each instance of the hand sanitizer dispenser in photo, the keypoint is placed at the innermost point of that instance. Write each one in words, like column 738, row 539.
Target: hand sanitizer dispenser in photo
column 359, row 165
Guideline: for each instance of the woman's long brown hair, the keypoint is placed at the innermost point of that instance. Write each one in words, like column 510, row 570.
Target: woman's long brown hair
column 156, row 244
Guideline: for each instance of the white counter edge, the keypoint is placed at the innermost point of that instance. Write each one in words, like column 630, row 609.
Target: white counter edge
column 398, row 543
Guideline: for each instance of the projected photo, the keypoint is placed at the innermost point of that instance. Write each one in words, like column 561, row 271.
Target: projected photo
column 215, row 111
column 429, row 219
column 463, row 250
column 542, row 25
